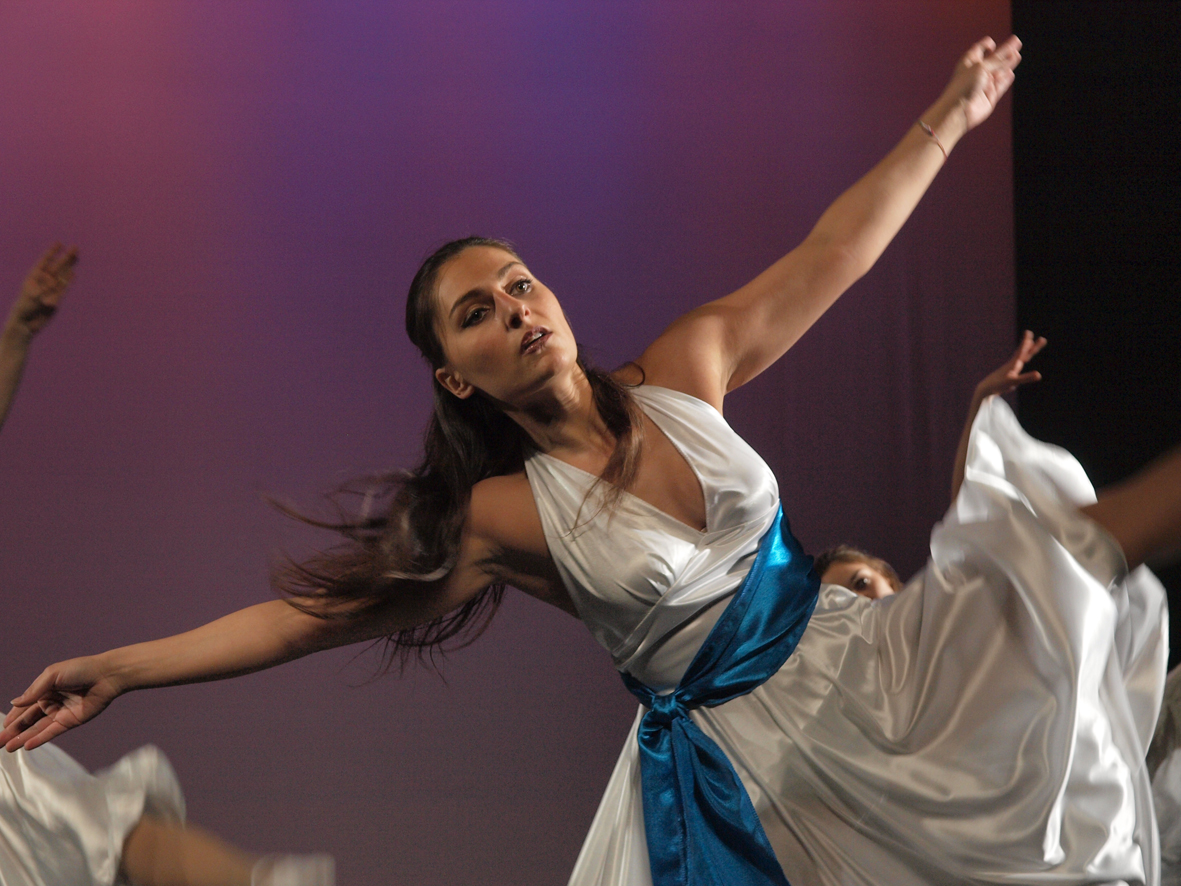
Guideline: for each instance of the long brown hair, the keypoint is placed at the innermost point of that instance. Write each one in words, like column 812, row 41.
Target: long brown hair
column 407, row 529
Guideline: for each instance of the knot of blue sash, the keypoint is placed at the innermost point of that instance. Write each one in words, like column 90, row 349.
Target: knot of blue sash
column 701, row 826
column 664, row 709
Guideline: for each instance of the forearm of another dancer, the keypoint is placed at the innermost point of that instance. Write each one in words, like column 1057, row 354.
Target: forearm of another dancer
column 961, row 453
column 14, row 349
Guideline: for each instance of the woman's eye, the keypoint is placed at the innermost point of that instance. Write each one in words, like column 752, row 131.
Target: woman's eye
column 522, row 285
column 860, row 583
column 475, row 315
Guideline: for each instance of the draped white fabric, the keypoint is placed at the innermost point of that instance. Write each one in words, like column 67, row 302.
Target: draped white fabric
column 62, row 826
column 986, row 725
column 1164, row 762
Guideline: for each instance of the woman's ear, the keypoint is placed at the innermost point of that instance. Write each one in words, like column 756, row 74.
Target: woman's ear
column 454, row 383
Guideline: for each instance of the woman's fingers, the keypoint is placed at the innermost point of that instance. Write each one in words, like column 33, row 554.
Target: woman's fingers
column 32, row 722
column 50, row 254
column 35, row 735
column 1029, row 346
column 62, row 264
column 25, row 720
column 978, row 50
column 38, row 689
column 12, row 724
column 44, row 731
column 1002, row 58
column 1010, row 51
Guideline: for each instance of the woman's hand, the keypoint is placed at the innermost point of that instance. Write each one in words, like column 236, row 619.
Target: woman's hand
column 982, row 76
column 1008, row 376
column 66, row 695
column 41, row 291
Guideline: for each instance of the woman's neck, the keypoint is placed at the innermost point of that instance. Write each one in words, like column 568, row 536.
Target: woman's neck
column 565, row 422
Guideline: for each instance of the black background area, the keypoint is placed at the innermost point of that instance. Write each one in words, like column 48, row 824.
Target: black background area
column 1097, row 146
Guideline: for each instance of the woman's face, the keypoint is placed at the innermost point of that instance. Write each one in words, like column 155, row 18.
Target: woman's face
column 502, row 331
column 859, row 577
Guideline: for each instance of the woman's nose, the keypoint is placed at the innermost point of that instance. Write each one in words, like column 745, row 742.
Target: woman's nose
column 515, row 312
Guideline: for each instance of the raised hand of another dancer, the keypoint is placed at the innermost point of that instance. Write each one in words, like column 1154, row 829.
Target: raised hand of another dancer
column 1009, row 376
column 67, row 694
column 41, row 292
column 38, row 299
column 981, row 77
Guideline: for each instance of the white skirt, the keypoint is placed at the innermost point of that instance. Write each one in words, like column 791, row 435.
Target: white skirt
column 62, row 826
column 986, row 725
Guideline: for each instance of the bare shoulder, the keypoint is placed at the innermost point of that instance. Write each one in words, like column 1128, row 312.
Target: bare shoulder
column 504, row 522
column 685, row 357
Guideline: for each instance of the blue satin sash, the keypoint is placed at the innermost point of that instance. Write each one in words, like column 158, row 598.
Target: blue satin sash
column 700, row 823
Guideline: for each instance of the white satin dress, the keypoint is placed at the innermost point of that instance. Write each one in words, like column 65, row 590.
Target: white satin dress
column 986, row 725
column 62, row 826
column 1164, row 762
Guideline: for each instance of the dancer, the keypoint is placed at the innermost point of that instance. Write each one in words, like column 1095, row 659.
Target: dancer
column 988, row 755
column 59, row 824
column 872, row 577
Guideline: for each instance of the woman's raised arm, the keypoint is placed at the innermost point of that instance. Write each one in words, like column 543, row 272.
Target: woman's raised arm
column 725, row 343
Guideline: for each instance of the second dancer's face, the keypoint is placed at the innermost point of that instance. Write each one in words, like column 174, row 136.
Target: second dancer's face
column 859, row 577
column 503, row 332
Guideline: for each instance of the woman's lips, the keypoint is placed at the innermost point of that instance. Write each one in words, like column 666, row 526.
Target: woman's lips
column 534, row 340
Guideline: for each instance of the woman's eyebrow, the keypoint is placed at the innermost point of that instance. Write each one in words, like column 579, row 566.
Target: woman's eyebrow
column 465, row 298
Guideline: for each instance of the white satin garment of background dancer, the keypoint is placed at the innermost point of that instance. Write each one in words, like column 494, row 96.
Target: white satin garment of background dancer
column 62, row 826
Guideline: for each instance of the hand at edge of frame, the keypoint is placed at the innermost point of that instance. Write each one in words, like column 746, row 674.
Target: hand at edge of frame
column 65, row 695
column 41, row 291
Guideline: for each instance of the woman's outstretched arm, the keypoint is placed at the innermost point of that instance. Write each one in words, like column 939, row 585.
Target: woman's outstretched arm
column 1005, row 378
column 70, row 693
column 34, row 306
column 725, row 343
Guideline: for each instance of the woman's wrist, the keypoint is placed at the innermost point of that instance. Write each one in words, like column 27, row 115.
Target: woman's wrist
column 15, row 337
column 118, row 669
column 947, row 122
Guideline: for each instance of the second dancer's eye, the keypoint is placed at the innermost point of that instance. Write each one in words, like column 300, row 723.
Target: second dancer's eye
column 521, row 286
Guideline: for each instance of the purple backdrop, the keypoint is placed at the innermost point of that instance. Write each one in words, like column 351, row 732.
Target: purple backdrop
column 252, row 185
